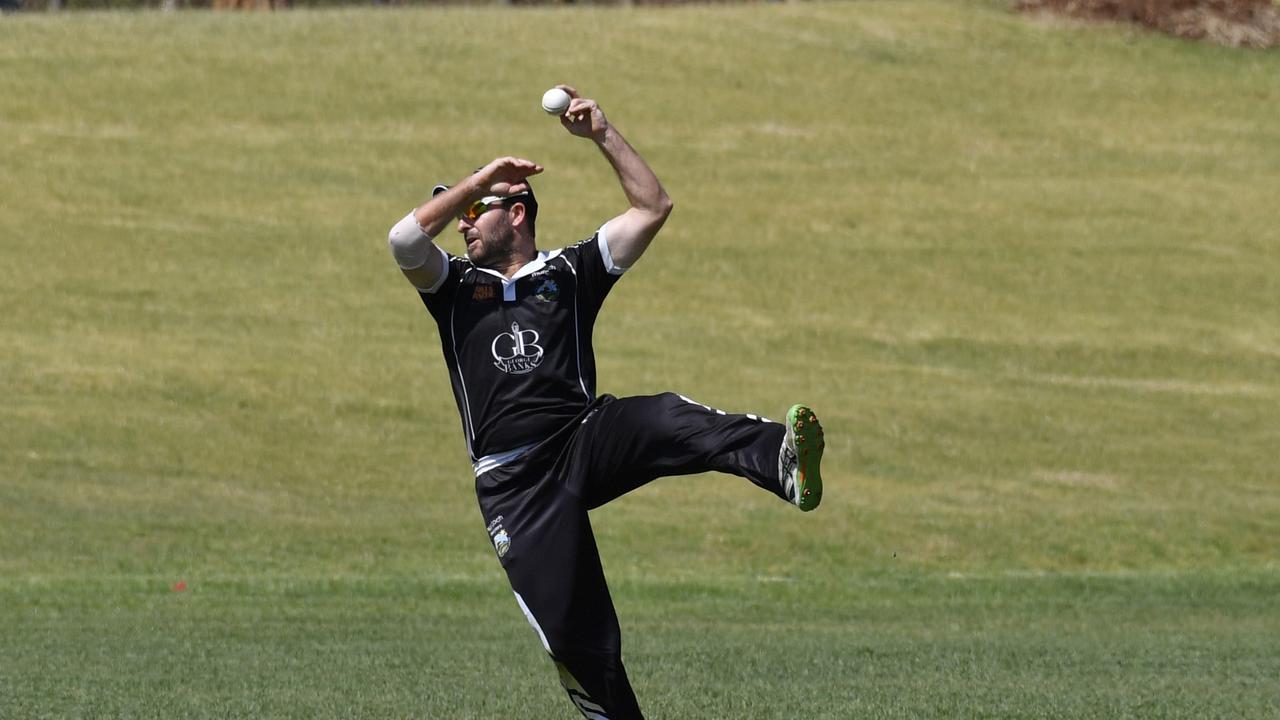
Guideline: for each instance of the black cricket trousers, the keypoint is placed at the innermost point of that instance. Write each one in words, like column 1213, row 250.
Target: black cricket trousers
column 535, row 510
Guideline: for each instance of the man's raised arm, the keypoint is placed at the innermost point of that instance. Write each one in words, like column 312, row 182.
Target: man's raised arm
column 412, row 239
column 630, row 233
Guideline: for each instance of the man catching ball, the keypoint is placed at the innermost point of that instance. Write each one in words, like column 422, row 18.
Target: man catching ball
column 515, row 328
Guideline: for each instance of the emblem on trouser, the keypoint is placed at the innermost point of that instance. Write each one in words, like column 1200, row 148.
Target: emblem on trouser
column 501, row 540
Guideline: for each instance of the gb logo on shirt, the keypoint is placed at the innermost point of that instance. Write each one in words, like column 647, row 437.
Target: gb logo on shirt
column 516, row 352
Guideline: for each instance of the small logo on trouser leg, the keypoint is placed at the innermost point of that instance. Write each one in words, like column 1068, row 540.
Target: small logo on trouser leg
column 501, row 540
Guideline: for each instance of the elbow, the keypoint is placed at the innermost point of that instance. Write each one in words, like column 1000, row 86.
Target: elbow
column 410, row 246
column 660, row 212
column 399, row 241
column 403, row 233
column 665, row 206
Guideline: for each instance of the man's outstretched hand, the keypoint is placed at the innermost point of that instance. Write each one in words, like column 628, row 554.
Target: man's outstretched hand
column 505, row 176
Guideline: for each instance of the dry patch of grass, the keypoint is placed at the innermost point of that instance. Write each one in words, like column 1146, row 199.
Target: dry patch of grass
column 1233, row 23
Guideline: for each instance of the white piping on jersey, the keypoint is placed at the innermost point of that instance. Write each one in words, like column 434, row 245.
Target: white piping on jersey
column 497, row 460
column 577, row 341
column 469, row 431
column 607, row 256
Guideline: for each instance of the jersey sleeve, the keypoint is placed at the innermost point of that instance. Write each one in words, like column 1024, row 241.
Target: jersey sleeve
column 594, row 267
column 439, row 298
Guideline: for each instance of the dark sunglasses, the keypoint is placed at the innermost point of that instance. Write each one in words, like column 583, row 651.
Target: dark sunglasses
column 485, row 204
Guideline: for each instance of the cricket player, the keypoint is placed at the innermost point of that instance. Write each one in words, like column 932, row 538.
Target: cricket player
column 515, row 326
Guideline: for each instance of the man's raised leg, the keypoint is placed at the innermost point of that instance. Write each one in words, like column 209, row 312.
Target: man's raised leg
column 631, row 441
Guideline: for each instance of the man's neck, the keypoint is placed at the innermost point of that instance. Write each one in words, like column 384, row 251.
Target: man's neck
column 509, row 266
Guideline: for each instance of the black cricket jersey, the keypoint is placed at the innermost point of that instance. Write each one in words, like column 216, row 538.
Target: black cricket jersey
column 519, row 351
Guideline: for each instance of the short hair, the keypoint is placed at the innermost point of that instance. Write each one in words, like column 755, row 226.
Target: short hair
column 530, row 207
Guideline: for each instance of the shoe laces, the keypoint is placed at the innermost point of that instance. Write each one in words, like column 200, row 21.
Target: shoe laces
column 787, row 463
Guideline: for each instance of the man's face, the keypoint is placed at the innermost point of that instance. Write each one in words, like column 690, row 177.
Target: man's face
column 490, row 238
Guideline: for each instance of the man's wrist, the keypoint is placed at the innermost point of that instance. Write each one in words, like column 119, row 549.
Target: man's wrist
column 605, row 137
column 476, row 186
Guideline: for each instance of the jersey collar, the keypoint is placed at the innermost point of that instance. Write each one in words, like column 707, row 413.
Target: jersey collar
column 529, row 268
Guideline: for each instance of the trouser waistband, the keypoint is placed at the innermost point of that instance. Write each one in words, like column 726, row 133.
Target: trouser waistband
column 497, row 460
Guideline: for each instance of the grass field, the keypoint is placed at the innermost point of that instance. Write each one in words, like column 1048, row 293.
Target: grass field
column 1026, row 271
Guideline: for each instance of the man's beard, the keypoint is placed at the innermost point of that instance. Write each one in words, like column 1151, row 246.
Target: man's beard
column 496, row 249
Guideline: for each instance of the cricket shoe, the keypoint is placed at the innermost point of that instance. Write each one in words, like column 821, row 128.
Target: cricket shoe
column 800, row 458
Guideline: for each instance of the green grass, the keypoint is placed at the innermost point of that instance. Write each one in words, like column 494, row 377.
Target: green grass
column 881, row 647
column 1026, row 272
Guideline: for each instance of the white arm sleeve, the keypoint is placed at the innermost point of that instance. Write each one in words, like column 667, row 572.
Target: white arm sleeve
column 409, row 245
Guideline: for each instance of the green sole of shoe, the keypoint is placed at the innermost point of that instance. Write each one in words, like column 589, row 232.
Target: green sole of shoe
column 806, row 433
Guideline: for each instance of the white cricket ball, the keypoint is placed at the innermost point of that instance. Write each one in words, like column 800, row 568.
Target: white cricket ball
column 555, row 101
